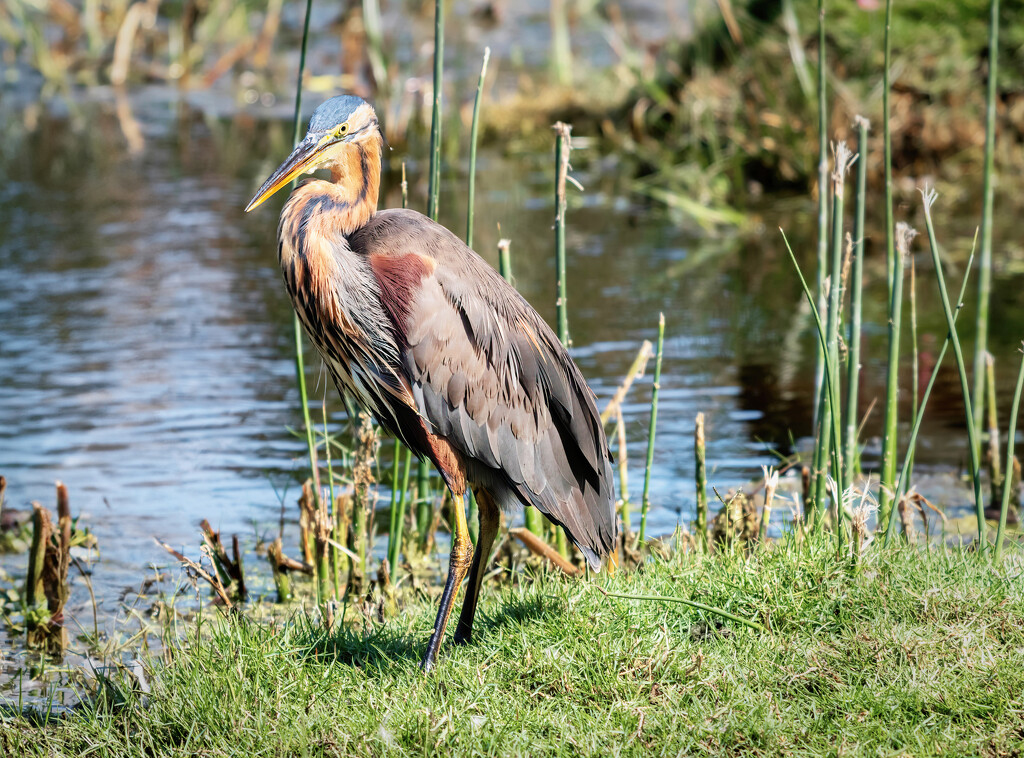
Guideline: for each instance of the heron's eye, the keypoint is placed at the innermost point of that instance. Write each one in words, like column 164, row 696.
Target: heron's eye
column 342, row 130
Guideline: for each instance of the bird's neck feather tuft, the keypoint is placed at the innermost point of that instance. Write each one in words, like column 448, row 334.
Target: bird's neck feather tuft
column 355, row 182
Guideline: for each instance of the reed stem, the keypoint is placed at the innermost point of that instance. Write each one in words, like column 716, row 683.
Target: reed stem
column 620, row 430
column 890, row 222
column 888, row 496
column 435, row 116
column 822, row 269
column 985, row 258
column 915, row 367
column 561, row 47
column 829, row 388
column 700, row 455
column 563, row 145
column 533, row 518
column 995, row 466
column 505, row 259
column 826, row 442
column 396, row 465
column 331, row 520
column 771, row 483
column 919, row 417
column 395, row 546
column 645, row 503
column 563, row 133
column 856, row 300
column 1011, row 433
column 979, row 504
column 474, row 130
column 425, row 509
column 300, row 368
column 375, row 46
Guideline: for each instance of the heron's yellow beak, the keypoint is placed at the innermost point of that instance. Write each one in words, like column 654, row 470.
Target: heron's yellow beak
column 303, row 160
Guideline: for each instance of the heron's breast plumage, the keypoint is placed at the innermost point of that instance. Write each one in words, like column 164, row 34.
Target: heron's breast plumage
column 338, row 300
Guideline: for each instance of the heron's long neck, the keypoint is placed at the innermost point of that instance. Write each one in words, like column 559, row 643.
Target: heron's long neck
column 355, row 184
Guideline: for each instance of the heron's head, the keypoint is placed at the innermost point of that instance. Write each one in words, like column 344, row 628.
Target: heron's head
column 338, row 127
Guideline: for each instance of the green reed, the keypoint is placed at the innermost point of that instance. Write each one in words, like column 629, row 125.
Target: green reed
column 901, row 485
column 1004, row 506
column 995, row 473
column 398, row 508
column 393, row 547
column 375, row 46
column 300, row 368
column 890, row 439
column 435, row 114
column 473, row 132
column 830, row 389
column 623, row 461
column 915, row 360
column 505, row 259
column 985, row 257
column 822, row 209
column 335, row 554
column 828, row 410
column 890, row 421
column 890, row 221
column 561, row 42
column 645, row 502
column 856, row 302
column 533, row 518
column 424, row 508
column 701, row 477
column 563, row 145
column 929, row 199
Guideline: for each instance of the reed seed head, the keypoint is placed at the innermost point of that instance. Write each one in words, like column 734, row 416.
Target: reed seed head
column 905, row 234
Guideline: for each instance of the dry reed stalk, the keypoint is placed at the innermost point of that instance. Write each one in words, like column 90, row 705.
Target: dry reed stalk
column 636, row 370
column 995, row 467
column 771, row 484
column 307, row 520
column 537, row 546
column 199, row 571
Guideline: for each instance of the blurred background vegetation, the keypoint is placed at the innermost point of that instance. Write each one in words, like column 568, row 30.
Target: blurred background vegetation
column 714, row 100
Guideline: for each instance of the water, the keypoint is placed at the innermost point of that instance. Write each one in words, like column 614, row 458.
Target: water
column 146, row 338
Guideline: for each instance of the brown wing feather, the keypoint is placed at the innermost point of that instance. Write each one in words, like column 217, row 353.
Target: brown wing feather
column 491, row 378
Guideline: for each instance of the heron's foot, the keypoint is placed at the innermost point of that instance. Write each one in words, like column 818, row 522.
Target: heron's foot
column 430, row 657
column 462, row 637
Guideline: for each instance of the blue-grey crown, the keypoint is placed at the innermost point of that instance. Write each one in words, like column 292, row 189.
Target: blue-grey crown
column 332, row 112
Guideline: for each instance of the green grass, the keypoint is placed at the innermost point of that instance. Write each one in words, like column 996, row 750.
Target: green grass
column 917, row 652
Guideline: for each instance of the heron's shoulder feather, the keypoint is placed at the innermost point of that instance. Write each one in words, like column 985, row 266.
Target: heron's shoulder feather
column 488, row 373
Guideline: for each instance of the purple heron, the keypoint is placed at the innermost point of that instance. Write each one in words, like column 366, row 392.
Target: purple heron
column 447, row 356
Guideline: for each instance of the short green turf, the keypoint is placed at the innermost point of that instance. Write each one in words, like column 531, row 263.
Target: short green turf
column 914, row 652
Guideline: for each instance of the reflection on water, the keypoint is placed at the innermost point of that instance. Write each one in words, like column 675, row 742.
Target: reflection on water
column 145, row 335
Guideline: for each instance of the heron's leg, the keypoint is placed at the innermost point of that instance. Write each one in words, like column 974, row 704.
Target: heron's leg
column 490, row 518
column 458, row 565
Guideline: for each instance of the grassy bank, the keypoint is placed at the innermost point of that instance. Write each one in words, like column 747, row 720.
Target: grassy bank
column 915, row 651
